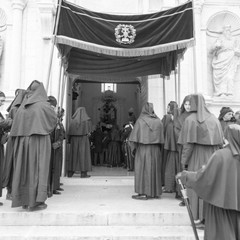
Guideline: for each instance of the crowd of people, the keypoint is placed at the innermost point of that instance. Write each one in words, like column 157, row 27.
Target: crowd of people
column 188, row 143
column 110, row 144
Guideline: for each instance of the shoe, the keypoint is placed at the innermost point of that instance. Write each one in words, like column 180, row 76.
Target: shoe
column 85, row 176
column 167, row 191
column 25, row 207
column 60, row 189
column 178, row 197
column 9, row 196
column 56, row 192
column 1, row 203
column 200, row 226
column 182, row 204
column 140, row 197
column 61, row 184
column 40, row 206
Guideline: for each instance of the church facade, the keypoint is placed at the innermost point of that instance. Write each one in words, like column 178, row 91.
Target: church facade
column 26, row 28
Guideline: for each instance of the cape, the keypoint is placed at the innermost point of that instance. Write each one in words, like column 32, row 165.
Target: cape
column 148, row 128
column 80, row 123
column 34, row 116
column 208, row 132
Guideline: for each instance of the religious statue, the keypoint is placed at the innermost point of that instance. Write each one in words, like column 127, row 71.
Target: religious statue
column 1, row 46
column 108, row 112
column 225, row 61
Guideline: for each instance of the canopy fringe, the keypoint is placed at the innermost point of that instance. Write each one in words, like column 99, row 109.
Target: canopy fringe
column 125, row 52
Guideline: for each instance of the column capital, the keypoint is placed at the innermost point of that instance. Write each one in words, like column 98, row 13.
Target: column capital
column 198, row 5
column 46, row 6
column 19, row 4
column 47, row 11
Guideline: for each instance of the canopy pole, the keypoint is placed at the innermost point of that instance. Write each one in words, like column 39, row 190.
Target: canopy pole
column 194, row 50
column 179, row 80
column 63, row 88
column 53, row 43
column 176, row 87
column 60, row 81
column 164, row 95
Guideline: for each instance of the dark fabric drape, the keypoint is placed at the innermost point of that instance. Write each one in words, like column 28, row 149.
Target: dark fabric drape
column 99, row 46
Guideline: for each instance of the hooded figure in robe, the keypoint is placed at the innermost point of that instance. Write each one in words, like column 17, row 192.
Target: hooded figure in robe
column 5, row 125
column 78, row 137
column 31, row 128
column 147, row 137
column 171, row 155
column 8, row 160
column 218, row 184
column 200, row 136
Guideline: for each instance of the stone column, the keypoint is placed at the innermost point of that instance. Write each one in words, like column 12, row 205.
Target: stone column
column 47, row 11
column 197, row 52
column 17, row 18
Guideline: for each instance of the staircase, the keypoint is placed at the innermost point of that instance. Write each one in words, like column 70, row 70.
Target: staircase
column 98, row 208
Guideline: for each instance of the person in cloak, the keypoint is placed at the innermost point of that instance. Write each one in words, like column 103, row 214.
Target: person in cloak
column 62, row 136
column 5, row 125
column 146, row 138
column 131, row 115
column 129, row 159
column 8, row 160
column 78, row 137
column 226, row 117
column 170, row 168
column 96, row 139
column 237, row 117
column 57, row 137
column 217, row 183
column 32, row 125
column 201, row 135
column 179, row 118
column 114, row 148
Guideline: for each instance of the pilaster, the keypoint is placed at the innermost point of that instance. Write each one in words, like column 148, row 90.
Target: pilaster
column 17, row 19
column 198, row 82
column 47, row 11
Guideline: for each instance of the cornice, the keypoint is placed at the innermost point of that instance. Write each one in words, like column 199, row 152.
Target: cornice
column 19, row 4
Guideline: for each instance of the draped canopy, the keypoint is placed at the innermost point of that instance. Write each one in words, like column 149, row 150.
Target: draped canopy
column 101, row 47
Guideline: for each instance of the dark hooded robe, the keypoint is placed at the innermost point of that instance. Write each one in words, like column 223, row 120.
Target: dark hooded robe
column 218, row 184
column 4, row 128
column 79, row 131
column 114, row 148
column 34, row 121
column 147, row 136
column 171, row 154
column 8, row 160
column 200, row 136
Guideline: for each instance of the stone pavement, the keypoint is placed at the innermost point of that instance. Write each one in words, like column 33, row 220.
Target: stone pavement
column 98, row 208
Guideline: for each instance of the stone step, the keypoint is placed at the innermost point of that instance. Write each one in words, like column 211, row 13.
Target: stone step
column 105, row 204
column 45, row 218
column 98, row 233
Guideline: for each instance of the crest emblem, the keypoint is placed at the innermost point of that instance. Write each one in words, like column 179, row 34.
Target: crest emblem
column 125, row 34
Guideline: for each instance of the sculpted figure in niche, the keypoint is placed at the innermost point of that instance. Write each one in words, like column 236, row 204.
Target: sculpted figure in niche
column 1, row 46
column 226, row 58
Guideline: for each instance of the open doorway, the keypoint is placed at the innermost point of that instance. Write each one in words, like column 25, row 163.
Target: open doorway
column 107, row 104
